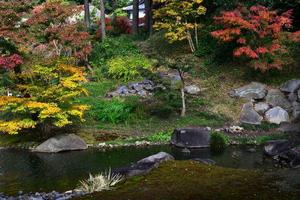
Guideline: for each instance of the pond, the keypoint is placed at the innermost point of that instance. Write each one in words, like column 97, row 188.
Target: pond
column 34, row 172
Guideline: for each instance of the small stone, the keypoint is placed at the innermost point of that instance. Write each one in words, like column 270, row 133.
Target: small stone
column 261, row 107
column 296, row 110
column 277, row 115
column 192, row 89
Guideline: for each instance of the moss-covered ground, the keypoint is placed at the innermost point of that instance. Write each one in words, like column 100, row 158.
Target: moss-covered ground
column 188, row 180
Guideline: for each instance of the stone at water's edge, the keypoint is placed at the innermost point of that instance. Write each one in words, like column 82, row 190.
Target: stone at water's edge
column 275, row 147
column 70, row 142
column 291, row 157
column 191, row 137
column 277, row 115
column 252, row 91
column 145, row 165
column 276, row 98
column 290, row 86
column 249, row 115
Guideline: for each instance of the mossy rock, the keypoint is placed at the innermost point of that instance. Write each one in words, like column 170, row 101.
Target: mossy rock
column 189, row 180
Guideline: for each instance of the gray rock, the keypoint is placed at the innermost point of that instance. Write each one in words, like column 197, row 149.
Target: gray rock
column 277, row 115
column 252, row 91
column 261, row 107
column 292, row 97
column 192, row 89
column 249, row 115
column 191, row 137
column 296, row 110
column 157, row 158
column 290, row 86
column 275, row 147
column 298, row 95
column 123, row 90
column 276, row 98
column 61, row 143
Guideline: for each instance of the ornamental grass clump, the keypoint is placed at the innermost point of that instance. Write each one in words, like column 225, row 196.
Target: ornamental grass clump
column 100, row 182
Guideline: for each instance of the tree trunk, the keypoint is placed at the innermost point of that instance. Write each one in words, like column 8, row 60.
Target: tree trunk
column 87, row 14
column 183, row 109
column 148, row 17
column 135, row 19
column 103, row 25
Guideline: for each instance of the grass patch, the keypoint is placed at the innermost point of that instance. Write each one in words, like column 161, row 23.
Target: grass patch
column 187, row 180
column 257, row 140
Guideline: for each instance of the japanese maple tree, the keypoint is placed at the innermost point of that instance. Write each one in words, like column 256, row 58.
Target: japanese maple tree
column 256, row 31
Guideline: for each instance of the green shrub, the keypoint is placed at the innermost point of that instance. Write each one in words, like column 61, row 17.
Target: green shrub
column 114, row 111
column 218, row 141
column 110, row 48
column 127, row 67
column 163, row 136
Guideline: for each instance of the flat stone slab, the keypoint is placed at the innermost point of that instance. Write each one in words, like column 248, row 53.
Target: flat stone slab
column 60, row 143
column 254, row 90
column 191, row 137
column 249, row 115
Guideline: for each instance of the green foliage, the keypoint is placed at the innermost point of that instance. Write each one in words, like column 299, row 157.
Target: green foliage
column 162, row 136
column 263, row 127
column 218, row 141
column 127, row 67
column 111, row 48
column 114, row 111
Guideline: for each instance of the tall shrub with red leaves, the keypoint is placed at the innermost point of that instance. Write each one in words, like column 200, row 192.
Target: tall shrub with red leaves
column 257, row 32
column 116, row 26
column 52, row 21
column 10, row 62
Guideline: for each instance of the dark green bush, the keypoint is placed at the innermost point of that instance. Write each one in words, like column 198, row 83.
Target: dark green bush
column 218, row 141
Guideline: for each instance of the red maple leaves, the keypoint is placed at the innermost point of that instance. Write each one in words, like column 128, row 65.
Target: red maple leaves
column 257, row 32
column 10, row 62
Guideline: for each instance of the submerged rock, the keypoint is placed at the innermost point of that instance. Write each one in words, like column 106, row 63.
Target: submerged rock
column 145, row 165
column 275, row 147
column 252, row 91
column 70, row 142
column 290, row 86
column 205, row 161
column 277, row 115
column 249, row 115
column 191, row 137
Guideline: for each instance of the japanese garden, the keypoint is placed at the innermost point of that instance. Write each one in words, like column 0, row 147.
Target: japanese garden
column 150, row 99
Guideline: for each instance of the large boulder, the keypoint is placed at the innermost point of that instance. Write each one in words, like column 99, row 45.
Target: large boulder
column 191, row 137
column 145, row 165
column 192, row 89
column 60, row 143
column 275, row 147
column 277, row 115
column 252, row 91
column 276, row 98
column 249, row 115
column 291, row 86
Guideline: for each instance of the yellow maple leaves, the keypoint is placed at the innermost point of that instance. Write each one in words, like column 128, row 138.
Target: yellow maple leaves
column 48, row 94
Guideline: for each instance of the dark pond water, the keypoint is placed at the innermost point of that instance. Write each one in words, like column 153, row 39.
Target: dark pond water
column 27, row 171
